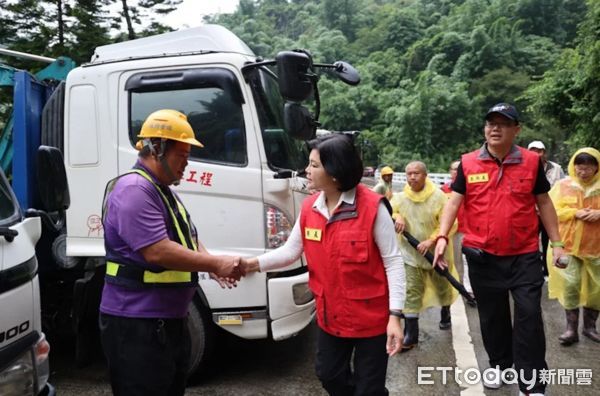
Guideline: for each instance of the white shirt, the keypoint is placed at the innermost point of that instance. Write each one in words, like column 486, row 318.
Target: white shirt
column 383, row 234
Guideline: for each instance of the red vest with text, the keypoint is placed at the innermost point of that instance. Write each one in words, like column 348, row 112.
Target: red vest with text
column 499, row 204
column 346, row 272
column 447, row 189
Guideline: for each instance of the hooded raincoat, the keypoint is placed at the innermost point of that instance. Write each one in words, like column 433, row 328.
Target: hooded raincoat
column 579, row 283
column 421, row 212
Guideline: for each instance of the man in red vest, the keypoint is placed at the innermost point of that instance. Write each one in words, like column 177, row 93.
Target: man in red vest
column 499, row 186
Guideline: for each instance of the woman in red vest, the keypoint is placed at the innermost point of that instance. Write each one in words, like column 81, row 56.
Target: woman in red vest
column 356, row 271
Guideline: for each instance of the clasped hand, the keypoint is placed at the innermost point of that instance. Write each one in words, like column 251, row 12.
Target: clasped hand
column 228, row 271
column 232, row 269
column 588, row 214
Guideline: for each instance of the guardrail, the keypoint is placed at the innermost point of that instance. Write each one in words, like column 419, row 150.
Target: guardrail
column 399, row 178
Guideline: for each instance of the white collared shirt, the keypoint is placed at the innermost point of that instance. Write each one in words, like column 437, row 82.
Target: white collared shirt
column 384, row 235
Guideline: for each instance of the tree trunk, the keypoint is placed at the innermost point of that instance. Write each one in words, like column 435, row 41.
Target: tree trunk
column 130, row 32
column 61, row 24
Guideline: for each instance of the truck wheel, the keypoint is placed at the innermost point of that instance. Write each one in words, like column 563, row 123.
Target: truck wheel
column 203, row 339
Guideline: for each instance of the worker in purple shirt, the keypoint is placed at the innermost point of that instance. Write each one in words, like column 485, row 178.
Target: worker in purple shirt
column 152, row 260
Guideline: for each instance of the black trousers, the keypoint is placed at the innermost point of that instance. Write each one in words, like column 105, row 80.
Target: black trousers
column 146, row 356
column 333, row 364
column 522, row 343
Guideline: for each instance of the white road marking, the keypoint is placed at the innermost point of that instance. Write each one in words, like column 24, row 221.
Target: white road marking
column 463, row 346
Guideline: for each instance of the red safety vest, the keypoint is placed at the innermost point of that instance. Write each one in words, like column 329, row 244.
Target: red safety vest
column 499, row 204
column 447, row 189
column 346, row 272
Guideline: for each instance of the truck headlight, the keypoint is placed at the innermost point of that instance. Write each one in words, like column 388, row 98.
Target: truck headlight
column 28, row 373
column 278, row 227
column 301, row 293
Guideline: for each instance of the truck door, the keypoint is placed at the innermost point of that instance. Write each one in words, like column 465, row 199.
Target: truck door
column 222, row 186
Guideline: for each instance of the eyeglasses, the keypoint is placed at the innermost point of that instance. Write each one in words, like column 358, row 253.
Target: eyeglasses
column 501, row 125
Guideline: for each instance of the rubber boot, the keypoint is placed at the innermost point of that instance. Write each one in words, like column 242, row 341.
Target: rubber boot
column 570, row 335
column 445, row 322
column 589, row 324
column 411, row 333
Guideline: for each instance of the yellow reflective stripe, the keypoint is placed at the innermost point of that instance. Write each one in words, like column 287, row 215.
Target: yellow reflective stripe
column 109, row 187
column 185, row 216
column 112, row 268
column 167, row 277
column 177, row 227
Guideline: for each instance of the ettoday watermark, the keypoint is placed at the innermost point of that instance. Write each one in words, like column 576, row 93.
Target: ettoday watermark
column 473, row 376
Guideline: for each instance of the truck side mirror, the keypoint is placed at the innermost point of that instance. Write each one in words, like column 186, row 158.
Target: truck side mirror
column 52, row 179
column 346, row 73
column 295, row 75
column 298, row 122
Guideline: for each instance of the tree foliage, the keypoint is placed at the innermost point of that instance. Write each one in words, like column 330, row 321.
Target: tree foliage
column 76, row 27
column 568, row 97
column 430, row 68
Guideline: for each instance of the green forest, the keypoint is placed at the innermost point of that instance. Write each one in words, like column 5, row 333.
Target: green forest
column 430, row 69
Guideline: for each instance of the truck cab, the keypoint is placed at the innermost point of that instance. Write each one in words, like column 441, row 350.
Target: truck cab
column 242, row 188
column 24, row 365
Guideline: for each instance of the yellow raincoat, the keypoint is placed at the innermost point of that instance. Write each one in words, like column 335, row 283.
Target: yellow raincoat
column 421, row 212
column 579, row 283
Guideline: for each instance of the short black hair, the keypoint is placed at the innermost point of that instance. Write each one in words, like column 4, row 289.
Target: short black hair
column 585, row 159
column 340, row 158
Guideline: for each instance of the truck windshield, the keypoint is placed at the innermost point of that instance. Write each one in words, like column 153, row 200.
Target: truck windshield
column 211, row 109
column 9, row 210
column 283, row 151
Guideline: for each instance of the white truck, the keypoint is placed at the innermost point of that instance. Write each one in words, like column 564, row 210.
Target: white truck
column 24, row 366
column 243, row 189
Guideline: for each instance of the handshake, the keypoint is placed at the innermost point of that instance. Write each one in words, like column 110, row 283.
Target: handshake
column 231, row 269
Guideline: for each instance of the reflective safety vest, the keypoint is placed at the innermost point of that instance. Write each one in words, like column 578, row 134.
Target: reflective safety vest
column 499, row 204
column 132, row 274
column 346, row 272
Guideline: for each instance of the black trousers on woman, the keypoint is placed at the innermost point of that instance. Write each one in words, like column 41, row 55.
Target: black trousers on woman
column 370, row 364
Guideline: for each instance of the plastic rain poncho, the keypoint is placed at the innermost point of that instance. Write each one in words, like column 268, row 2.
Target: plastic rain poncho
column 421, row 212
column 579, row 283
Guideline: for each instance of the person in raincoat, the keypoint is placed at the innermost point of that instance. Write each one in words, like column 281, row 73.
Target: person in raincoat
column 384, row 187
column 417, row 210
column 577, row 203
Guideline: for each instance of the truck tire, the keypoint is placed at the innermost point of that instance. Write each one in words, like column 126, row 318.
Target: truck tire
column 203, row 339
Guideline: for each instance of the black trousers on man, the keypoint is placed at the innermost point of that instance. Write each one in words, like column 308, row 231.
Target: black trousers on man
column 370, row 365
column 146, row 356
column 522, row 344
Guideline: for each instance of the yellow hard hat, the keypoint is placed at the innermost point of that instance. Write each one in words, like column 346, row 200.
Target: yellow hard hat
column 169, row 124
column 386, row 170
